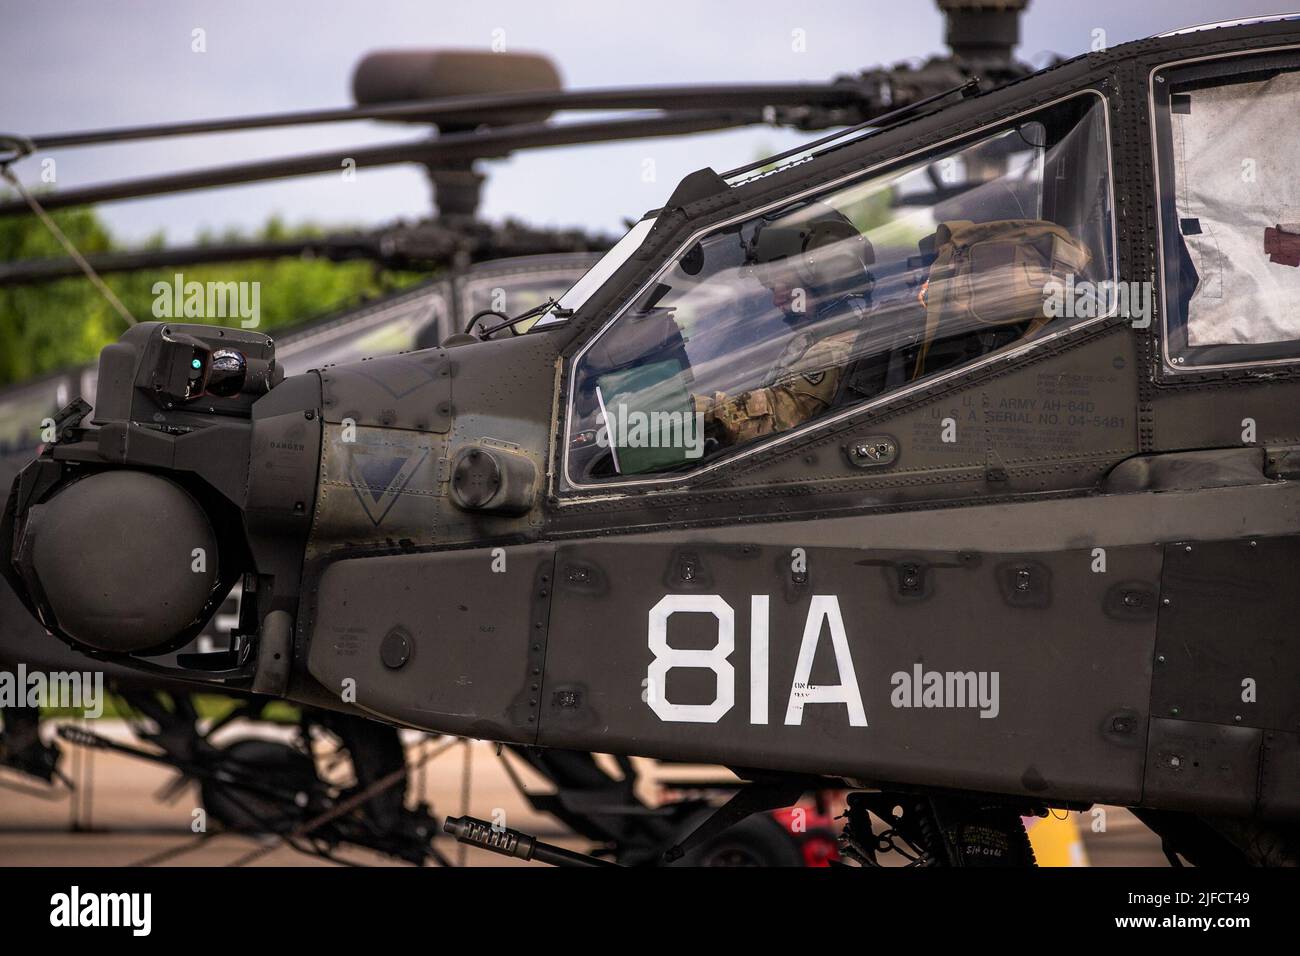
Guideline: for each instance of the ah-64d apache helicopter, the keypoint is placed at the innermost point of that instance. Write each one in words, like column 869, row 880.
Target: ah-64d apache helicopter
column 949, row 462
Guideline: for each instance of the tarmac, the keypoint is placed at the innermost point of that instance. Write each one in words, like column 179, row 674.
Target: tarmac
column 128, row 811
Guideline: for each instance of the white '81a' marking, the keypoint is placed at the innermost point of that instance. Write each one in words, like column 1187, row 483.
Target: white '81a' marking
column 823, row 610
column 715, row 658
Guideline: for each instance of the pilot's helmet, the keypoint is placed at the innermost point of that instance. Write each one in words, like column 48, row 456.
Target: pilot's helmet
column 814, row 247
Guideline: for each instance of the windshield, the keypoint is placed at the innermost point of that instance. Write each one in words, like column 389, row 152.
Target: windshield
column 514, row 295
column 581, row 291
column 23, row 411
column 835, row 299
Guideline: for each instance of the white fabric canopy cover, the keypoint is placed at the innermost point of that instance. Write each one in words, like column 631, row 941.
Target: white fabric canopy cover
column 1237, row 173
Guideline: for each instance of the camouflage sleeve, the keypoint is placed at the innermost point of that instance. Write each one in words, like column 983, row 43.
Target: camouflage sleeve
column 808, row 387
column 801, row 391
column 736, row 418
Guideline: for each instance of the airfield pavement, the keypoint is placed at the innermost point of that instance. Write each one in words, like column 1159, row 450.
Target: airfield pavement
column 116, row 816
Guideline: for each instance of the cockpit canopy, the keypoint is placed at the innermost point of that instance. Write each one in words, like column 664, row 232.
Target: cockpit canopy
column 850, row 294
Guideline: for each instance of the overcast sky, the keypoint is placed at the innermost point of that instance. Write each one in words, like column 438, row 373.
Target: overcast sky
column 80, row 64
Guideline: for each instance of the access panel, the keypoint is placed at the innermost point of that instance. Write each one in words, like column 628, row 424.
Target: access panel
column 1019, row 673
column 450, row 641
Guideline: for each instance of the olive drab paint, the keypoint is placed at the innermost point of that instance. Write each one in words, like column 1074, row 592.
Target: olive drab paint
column 1055, row 572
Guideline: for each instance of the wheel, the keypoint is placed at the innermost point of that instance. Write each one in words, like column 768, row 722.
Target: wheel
column 265, row 762
column 756, row 841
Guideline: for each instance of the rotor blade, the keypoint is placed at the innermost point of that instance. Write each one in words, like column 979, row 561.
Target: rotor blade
column 480, row 108
column 33, row 271
column 414, row 247
column 967, row 88
column 433, row 151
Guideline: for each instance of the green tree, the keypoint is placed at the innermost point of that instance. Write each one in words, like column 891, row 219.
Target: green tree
column 65, row 323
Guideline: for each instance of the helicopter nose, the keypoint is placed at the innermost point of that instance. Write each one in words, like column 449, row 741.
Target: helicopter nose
column 123, row 561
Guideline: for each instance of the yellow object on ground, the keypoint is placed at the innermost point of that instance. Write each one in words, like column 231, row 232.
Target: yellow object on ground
column 1056, row 841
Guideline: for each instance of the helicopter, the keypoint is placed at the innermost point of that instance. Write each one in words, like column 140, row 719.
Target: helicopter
column 874, row 466
column 257, row 787
column 514, row 264
column 251, row 785
column 232, row 778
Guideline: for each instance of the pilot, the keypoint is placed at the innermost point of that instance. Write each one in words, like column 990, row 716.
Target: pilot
column 815, row 264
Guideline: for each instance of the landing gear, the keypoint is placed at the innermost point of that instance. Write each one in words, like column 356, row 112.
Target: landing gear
column 756, row 841
column 930, row 830
column 335, row 780
column 683, row 832
column 1223, row 842
column 21, row 748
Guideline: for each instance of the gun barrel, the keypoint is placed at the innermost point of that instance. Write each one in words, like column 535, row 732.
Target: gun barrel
column 513, row 843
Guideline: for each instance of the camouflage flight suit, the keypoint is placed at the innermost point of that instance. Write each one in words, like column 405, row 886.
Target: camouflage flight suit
column 800, row 387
